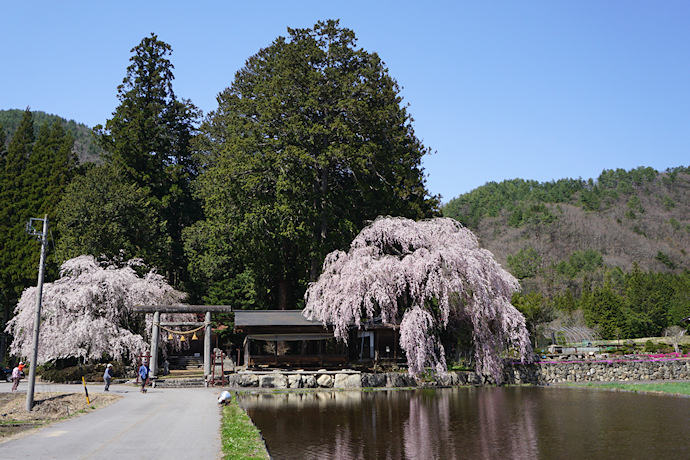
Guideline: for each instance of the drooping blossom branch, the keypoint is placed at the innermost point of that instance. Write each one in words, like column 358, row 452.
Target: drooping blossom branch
column 418, row 275
column 87, row 312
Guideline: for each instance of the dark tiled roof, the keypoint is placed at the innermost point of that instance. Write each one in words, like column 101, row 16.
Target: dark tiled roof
column 248, row 318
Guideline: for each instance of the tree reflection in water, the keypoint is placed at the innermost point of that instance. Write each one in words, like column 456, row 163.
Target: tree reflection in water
column 483, row 423
column 506, row 428
column 428, row 414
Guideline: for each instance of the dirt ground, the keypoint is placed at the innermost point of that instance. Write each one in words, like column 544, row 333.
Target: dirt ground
column 48, row 408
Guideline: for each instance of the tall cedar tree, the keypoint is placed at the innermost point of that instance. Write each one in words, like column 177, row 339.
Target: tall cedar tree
column 308, row 144
column 148, row 141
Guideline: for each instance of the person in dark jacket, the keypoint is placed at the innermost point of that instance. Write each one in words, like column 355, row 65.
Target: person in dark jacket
column 143, row 375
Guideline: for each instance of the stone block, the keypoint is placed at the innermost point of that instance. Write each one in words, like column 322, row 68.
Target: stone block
column 308, row 381
column 273, row 381
column 347, row 381
column 395, row 380
column 373, row 380
column 325, row 381
column 248, row 380
column 445, row 380
column 295, row 381
column 473, row 379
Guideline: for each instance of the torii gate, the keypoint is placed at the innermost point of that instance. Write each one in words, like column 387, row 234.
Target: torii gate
column 158, row 309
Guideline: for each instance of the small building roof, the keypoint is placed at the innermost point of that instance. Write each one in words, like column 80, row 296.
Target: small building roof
column 272, row 318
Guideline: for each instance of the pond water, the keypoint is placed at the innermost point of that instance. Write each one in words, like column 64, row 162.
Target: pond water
column 469, row 422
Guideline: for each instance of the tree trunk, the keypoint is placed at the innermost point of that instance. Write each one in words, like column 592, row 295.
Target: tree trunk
column 322, row 232
column 283, row 294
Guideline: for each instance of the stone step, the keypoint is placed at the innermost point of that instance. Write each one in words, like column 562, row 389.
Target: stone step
column 186, row 362
column 179, row 383
column 188, row 359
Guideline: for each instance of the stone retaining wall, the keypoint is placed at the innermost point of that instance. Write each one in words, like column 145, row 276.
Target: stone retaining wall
column 282, row 379
column 598, row 371
column 344, row 379
column 537, row 374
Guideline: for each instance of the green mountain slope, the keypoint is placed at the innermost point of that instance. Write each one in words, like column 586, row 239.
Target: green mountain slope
column 610, row 253
column 640, row 216
column 84, row 143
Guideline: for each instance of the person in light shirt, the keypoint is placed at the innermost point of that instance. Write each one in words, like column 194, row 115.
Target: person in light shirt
column 17, row 375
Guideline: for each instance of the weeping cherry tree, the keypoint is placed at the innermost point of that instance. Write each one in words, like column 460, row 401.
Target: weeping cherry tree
column 87, row 312
column 420, row 275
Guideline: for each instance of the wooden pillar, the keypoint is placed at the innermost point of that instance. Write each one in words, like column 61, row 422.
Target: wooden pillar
column 395, row 342
column 321, row 352
column 207, row 345
column 153, row 364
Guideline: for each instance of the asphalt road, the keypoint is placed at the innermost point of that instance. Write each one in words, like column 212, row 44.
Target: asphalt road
column 164, row 423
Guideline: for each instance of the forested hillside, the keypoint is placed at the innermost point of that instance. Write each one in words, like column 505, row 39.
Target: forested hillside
column 85, row 146
column 569, row 239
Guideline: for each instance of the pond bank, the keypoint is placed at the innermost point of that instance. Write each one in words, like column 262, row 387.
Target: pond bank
column 542, row 373
column 240, row 437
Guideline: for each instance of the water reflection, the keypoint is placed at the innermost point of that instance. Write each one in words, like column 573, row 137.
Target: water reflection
column 484, row 423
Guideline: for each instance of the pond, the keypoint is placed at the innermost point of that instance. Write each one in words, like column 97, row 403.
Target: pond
column 472, row 422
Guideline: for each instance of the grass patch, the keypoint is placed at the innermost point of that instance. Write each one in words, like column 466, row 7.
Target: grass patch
column 240, row 438
column 459, row 367
column 676, row 388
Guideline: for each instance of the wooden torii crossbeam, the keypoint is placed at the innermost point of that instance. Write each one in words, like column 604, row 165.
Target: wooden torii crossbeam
column 158, row 309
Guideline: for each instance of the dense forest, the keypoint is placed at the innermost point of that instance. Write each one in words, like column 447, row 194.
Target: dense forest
column 308, row 144
column 610, row 252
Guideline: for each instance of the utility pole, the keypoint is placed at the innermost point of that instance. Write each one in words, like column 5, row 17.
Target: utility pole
column 39, row 294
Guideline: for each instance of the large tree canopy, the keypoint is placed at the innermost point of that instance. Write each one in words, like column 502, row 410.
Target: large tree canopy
column 420, row 275
column 309, row 143
column 87, row 312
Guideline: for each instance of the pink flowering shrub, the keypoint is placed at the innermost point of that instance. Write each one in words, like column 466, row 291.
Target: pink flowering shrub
column 418, row 275
column 87, row 312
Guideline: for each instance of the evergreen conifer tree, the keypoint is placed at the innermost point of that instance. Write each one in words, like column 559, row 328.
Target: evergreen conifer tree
column 149, row 138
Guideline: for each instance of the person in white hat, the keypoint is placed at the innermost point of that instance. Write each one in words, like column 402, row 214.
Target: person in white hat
column 108, row 376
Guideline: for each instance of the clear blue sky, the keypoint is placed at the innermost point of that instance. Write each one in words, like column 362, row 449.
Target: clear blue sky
column 499, row 90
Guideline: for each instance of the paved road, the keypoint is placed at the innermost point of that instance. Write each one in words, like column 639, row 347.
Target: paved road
column 170, row 423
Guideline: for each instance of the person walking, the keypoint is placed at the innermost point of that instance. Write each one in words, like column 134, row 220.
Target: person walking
column 143, row 375
column 108, row 376
column 17, row 375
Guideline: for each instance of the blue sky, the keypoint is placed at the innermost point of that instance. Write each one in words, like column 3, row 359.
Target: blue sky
column 498, row 90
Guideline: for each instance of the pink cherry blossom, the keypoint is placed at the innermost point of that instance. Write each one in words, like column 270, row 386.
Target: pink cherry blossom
column 418, row 275
column 87, row 312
